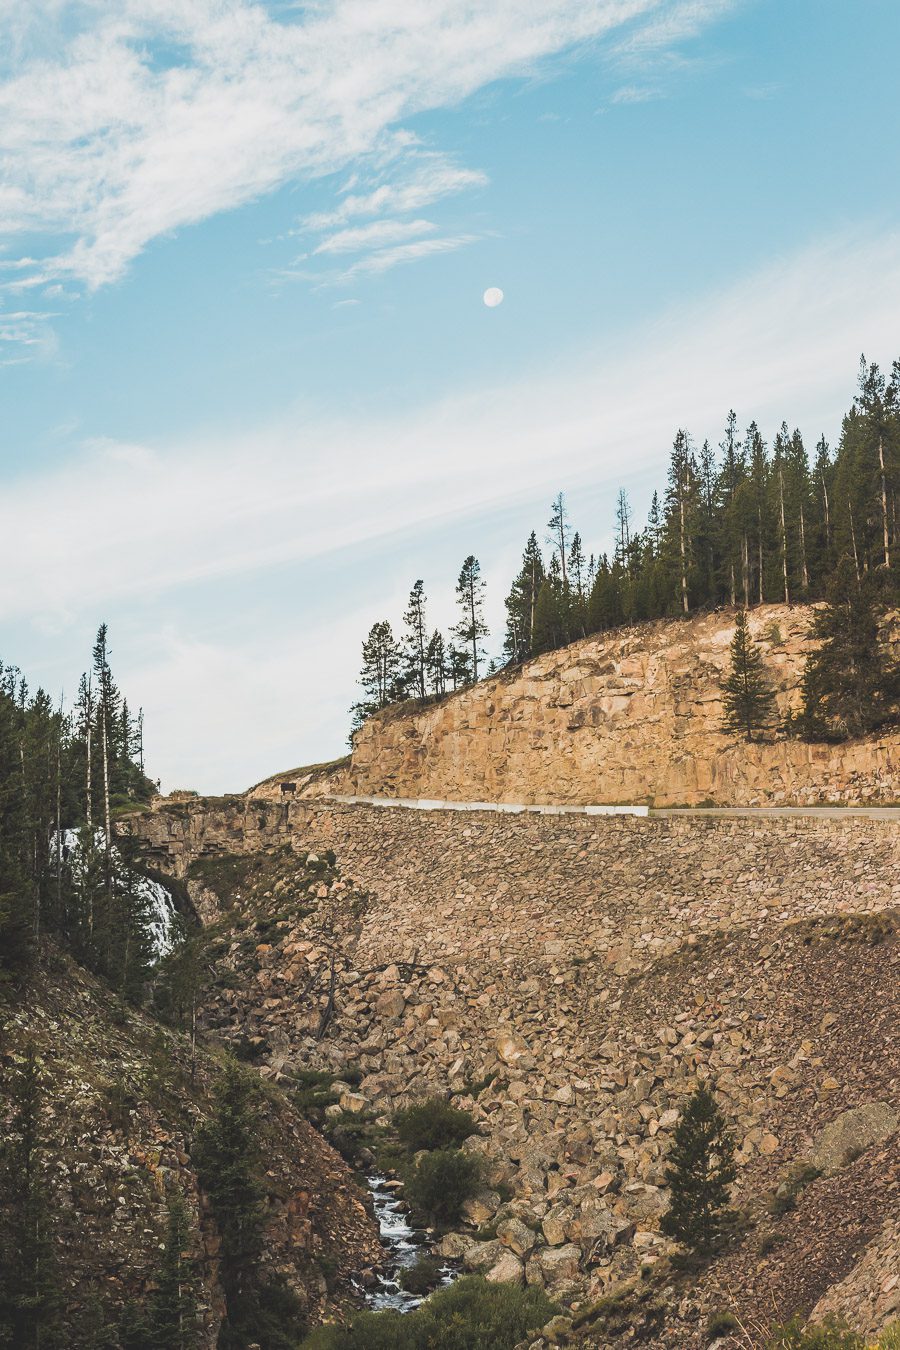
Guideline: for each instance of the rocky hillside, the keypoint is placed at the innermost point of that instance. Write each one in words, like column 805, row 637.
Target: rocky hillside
column 630, row 716
column 119, row 1109
column 569, row 980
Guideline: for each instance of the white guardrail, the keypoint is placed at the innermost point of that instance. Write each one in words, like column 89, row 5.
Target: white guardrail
column 509, row 808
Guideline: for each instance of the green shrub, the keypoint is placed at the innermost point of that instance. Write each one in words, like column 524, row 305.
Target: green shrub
column 721, row 1324
column 421, row 1278
column 368, row 1331
column 442, row 1182
column 473, row 1313
column 433, row 1124
column 312, row 1090
column 469, row 1315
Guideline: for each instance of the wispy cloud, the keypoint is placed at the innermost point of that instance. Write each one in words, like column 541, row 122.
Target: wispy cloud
column 25, row 334
column 672, row 24
column 427, row 178
column 782, row 343
column 636, row 93
column 384, row 259
column 376, row 235
column 123, row 120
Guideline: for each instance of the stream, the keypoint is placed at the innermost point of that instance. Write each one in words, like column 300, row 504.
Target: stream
column 403, row 1246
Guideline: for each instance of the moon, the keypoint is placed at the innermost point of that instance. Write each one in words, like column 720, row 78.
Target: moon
column 493, row 297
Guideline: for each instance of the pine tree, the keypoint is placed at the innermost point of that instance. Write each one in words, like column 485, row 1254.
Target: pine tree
column 558, row 537
column 30, row 1290
column 577, row 608
column 681, row 509
column 459, row 666
column 436, row 663
column 799, row 503
column 655, row 525
column 521, row 603
column 228, row 1158
column 878, row 402
column 728, row 522
column 699, row 1174
column 706, row 531
column 471, row 627
column 822, row 476
column 380, row 675
column 173, row 1306
column 850, row 685
column 748, row 700
column 756, row 511
column 622, row 551
column 551, row 614
column 416, row 640
column 605, row 601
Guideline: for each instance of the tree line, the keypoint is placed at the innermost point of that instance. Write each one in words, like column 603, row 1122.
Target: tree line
column 739, row 525
column 64, row 774
column 66, row 879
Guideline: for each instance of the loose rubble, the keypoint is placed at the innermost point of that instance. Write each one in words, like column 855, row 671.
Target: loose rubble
column 569, row 981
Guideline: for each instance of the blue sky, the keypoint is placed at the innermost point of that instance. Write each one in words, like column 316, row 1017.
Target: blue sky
column 250, row 389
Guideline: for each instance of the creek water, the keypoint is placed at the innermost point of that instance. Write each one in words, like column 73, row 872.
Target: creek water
column 403, row 1246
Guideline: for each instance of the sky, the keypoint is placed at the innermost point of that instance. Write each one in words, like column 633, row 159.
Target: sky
column 250, row 389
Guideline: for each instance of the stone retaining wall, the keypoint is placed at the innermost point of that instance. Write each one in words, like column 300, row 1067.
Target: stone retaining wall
column 622, row 887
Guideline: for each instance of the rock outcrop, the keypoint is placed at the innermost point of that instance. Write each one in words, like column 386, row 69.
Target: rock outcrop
column 120, row 1103
column 632, row 716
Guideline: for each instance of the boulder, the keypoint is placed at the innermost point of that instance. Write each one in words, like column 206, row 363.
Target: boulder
column 390, row 1005
column 514, row 1234
column 511, row 1049
column 508, row 1270
column 354, row 1102
column 482, row 1256
column 481, row 1207
column 558, row 1266
column 556, row 1224
column 850, row 1133
column 455, row 1245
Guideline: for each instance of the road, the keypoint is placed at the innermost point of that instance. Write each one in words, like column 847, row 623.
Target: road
column 513, row 808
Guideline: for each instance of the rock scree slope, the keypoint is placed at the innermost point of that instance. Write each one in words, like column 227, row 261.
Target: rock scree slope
column 569, row 979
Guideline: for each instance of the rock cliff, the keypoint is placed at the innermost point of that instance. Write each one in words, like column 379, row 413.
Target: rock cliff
column 632, row 716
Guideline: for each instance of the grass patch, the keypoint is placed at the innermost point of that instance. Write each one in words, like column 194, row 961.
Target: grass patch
column 831, row 1335
column 471, row 1314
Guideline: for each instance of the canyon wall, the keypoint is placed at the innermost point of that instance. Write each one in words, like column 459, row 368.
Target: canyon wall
column 568, row 979
column 633, row 716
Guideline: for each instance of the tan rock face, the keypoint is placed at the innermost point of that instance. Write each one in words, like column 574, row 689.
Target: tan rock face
column 630, row 717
